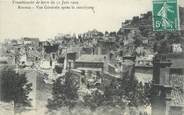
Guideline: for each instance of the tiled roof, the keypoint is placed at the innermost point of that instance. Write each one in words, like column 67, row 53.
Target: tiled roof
column 91, row 58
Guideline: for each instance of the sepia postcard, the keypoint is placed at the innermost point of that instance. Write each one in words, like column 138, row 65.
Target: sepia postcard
column 91, row 57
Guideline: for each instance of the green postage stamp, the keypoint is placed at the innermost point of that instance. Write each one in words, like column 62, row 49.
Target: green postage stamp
column 165, row 15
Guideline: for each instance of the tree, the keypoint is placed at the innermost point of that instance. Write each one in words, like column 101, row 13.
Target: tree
column 106, row 33
column 113, row 34
column 135, row 19
column 138, row 42
column 147, row 93
column 94, row 100
column 113, row 94
column 58, row 69
column 61, row 60
column 64, row 92
column 135, row 92
column 120, row 93
column 15, row 87
column 100, row 34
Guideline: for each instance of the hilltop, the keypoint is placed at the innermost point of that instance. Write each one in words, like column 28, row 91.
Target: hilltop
column 158, row 41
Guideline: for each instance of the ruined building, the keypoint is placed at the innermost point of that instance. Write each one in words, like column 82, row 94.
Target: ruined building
column 168, row 84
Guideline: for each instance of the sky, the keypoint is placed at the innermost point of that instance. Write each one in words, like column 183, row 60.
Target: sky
column 44, row 24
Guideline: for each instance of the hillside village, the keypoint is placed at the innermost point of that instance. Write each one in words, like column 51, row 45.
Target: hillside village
column 104, row 65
